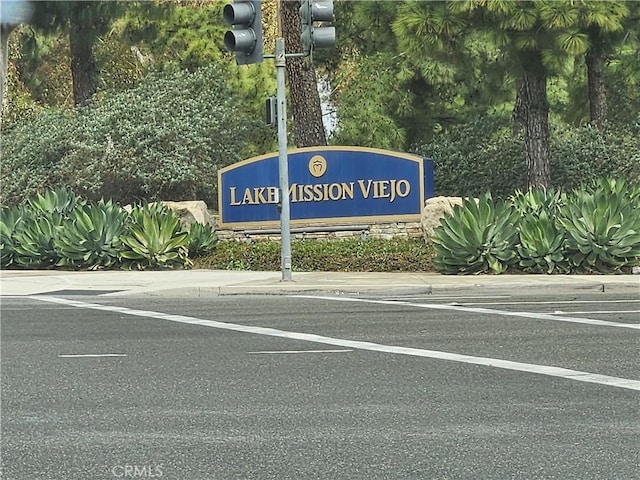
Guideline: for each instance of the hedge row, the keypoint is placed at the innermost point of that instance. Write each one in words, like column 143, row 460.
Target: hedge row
column 486, row 156
column 348, row 255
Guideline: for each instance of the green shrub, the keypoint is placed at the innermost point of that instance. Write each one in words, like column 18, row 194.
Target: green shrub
column 201, row 240
column 154, row 239
column 541, row 244
column 371, row 255
column 91, row 235
column 34, row 242
column 486, row 156
column 582, row 155
column 602, row 224
column 60, row 200
column 477, row 238
column 541, row 239
column 232, row 255
column 537, row 200
column 32, row 153
column 478, row 157
column 163, row 139
column 11, row 219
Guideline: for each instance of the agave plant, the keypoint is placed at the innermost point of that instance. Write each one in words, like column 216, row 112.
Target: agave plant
column 202, row 239
column 616, row 186
column 154, row 239
column 34, row 241
column 11, row 220
column 603, row 229
column 476, row 238
column 61, row 200
column 536, row 200
column 541, row 247
column 91, row 237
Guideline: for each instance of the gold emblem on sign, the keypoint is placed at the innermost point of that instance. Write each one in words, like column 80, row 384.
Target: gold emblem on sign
column 317, row 166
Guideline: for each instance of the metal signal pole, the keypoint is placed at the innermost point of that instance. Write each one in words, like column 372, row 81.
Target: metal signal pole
column 283, row 162
column 245, row 39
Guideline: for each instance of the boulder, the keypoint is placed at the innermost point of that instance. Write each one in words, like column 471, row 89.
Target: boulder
column 436, row 208
column 191, row 211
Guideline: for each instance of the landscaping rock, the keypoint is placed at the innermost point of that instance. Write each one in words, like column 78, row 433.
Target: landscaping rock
column 434, row 210
column 191, row 211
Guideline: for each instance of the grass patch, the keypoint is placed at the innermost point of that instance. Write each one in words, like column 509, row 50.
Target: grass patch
column 372, row 255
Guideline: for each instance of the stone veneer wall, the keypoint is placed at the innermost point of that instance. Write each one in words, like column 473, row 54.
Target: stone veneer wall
column 385, row 231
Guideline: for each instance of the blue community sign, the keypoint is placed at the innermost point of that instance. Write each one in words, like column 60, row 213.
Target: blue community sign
column 327, row 185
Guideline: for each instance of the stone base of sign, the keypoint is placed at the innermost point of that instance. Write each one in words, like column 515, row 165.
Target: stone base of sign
column 434, row 210
column 385, row 231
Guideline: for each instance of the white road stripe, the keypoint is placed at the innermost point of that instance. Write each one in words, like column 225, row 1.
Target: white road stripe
column 596, row 311
column 485, row 311
column 545, row 302
column 359, row 345
column 92, row 355
column 448, row 297
column 289, row 352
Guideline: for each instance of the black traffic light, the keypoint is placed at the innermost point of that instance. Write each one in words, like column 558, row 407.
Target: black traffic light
column 314, row 37
column 271, row 110
column 246, row 37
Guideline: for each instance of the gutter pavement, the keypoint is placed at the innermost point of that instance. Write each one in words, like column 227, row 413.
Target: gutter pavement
column 203, row 283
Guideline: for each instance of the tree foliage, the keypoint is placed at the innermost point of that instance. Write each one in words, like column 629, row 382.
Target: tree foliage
column 83, row 22
column 164, row 139
column 484, row 155
column 454, row 80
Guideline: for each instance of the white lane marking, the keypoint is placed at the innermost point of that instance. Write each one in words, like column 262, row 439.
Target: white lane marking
column 289, row 352
column 486, row 311
column 91, row 355
column 552, row 371
column 545, row 302
column 446, row 297
column 597, row 311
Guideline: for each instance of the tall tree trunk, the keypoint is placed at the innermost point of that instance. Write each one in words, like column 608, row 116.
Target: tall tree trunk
column 5, row 30
column 83, row 63
column 595, row 60
column 303, row 88
column 536, row 114
column 518, row 116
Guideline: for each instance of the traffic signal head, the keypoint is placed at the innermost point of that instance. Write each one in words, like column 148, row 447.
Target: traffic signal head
column 312, row 36
column 246, row 37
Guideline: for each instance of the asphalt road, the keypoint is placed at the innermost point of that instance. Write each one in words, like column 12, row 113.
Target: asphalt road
column 492, row 387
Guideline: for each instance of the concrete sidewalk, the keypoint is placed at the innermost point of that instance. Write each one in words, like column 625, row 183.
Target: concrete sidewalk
column 221, row 282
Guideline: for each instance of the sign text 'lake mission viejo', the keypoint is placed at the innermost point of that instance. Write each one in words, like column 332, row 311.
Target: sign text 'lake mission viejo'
column 327, row 185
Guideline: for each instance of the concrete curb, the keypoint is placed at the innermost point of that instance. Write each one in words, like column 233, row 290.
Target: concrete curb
column 537, row 289
column 213, row 283
column 270, row 290
column 523, row 289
